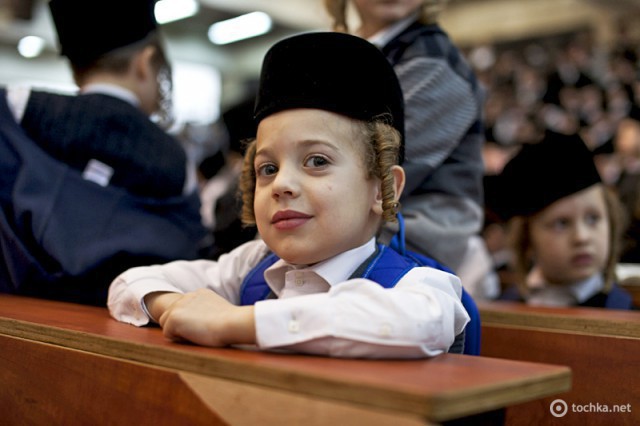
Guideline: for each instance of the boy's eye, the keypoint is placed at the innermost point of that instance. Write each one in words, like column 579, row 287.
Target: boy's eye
column 266, row 170
column 559, row 224
column 593, row 219
column 316, row 161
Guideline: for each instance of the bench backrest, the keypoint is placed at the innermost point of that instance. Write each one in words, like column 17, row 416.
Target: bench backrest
column 601, row 346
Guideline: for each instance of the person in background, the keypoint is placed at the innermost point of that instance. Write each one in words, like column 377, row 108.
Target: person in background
column 221, row 205
column 318, row 181
column 92, row 185
column 626, row 160
column 564, row 226
column 442, row 203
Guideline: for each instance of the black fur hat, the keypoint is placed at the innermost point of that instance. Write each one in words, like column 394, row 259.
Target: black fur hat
column 331, row 71
column 544, row 172
column 88, row 29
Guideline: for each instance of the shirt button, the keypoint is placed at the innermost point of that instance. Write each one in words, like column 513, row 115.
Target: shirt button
column 385, row 330
column 299, row 281
column 294, row 326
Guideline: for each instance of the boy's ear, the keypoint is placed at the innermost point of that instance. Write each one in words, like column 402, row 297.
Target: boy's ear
column 142, row 64
column 398, row 183
column 400, row 180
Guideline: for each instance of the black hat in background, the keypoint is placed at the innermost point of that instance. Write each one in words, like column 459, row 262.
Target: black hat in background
column 88, row 29
column 542, row 173
column 331, row 71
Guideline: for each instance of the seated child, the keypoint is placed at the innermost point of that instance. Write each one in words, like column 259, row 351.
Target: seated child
column 318, row 181
column 564, row 226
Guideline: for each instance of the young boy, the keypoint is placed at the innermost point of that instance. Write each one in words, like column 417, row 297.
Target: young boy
column 318, row 181
column 564, row 226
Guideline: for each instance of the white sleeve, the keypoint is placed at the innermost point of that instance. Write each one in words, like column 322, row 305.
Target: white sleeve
column 225, row 276
column 419, row 317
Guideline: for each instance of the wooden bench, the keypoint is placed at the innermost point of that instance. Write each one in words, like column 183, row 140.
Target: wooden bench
column 68, row 364
column 602, row 348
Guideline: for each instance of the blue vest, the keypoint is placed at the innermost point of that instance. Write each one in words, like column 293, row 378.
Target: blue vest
column 385, row 267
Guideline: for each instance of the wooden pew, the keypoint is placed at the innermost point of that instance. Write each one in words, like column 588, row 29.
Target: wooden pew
column 69, row 364
column 602, row 348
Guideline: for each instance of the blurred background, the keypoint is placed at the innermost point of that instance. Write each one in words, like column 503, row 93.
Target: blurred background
column 516, row 46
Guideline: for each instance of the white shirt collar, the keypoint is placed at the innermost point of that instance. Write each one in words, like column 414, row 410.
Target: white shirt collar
column 333, row 271
column 384, row 36
column 588, row 288
column 579, row 292
column 112, row 90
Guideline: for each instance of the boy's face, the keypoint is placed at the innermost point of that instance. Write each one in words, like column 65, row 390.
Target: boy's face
column 570, row 238
column 313, row 199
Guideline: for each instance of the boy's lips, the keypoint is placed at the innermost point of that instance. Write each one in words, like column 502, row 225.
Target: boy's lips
column 582, row 259
column 288, row 219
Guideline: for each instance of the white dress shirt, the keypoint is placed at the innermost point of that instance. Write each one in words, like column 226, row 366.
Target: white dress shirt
column 318, row 309
column 112, row 90
column 384, row 36
column 543, row 294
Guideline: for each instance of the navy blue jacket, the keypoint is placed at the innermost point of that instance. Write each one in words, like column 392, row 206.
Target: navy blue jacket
column 66, row 238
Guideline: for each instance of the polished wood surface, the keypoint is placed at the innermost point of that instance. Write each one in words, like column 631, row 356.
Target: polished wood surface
column 601, row 346
column 87, row 341
column 595, row 321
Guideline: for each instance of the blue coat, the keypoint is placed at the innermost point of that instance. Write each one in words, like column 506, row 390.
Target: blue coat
column 66, row 238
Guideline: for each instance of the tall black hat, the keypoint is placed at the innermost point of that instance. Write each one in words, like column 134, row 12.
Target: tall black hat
column 542, row 173
column 88, row 29
column 331, row 71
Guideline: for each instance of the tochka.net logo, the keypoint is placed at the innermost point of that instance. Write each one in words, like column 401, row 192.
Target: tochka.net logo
column 559, row 408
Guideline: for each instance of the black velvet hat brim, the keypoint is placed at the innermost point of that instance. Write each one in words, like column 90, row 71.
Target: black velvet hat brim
column 544, row 172
column 331, row 71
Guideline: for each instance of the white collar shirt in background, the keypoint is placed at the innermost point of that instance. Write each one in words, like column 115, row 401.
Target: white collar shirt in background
column 111, row 90
column 543, row 294
column 383, row 37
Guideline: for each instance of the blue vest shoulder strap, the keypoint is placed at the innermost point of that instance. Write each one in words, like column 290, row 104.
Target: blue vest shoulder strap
column 254, row 286
column 385, row 267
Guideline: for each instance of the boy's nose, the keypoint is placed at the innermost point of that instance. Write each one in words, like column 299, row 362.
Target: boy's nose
column 285, row 183
column 582, row 231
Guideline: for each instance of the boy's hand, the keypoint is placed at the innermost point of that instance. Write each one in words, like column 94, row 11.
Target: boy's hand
column 205, row 318
column 159, row 302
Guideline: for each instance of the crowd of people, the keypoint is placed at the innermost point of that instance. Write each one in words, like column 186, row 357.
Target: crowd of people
column 567, row 85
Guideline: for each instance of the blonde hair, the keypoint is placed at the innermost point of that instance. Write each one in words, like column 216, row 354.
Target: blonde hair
column 337, row 10
column 381, row 144
column 519, row 229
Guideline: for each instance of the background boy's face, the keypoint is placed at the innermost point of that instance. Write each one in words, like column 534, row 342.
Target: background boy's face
column 570, row 238
column 313, row 199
